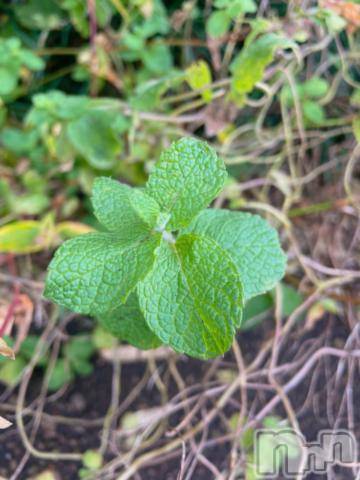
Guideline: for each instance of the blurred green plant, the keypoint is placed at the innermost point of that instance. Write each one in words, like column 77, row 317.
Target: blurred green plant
column 74, row 359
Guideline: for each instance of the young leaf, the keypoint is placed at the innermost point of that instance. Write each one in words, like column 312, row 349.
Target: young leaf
column 218, row 24
column 192, row 298
column 123, row 209
column 127, row 323
column 10, row 372
column 356, row 128
column 8, row 80
column 95, row 272
column 60, row 376
column 198, row 76
column 157, row 58
column 92, row 459
column 315, row 87
column 249, row 66
column 313, row 112
column 185, row 180
column 252, row 244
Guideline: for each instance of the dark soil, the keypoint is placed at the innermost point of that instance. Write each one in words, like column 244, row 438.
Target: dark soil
column 88, row 398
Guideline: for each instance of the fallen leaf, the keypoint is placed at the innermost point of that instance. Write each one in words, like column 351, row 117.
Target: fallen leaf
column 4, row 423
column 5, row 350
column 22, row 318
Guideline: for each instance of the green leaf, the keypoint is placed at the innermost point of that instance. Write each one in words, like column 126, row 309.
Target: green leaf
column 218, row 24
column 255, row 310
column 355, row 98
column 77, row 10
column 27, row 349
column 82, row 367
column 94, row 135
column 313, row 112
column 67, row 230
column 157, row 22
column 356, row 128
column 127, row 323
column 18, row 141
column 92, row 459
column 236, row 7
column 11, row 371
column 8, row 80
column 79, row 348
column 192, row 298
column 315, row 87
column 31, row 61
column 60, row 376
column 185, row 180
column 198, row 76
column 61, row 106
column 249, row 66
column 22, row 237
column 40, row 15
column 102, row 338
column 252, row 244
column 291, row 299
column 123, row 209
column 334, row 22
column 267, row 445
column 95, row 272
column 157, row 58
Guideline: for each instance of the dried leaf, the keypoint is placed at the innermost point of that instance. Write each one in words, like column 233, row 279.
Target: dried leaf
column 4, row 423
column 218, row 118
column 349, row 11
column 6, row 351
column 23, row 317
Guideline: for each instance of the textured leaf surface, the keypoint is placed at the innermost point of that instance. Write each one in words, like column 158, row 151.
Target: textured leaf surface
column 252, row 244
column 192, row 298
column 127, row 323
column 94, row 273
column 123, row 209
column 185, row 180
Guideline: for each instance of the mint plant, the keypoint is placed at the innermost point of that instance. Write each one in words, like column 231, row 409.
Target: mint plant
column 167, row 270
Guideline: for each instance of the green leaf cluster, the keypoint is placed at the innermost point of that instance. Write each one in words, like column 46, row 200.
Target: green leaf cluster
column 309, row 94
column 227, row 11
column 81, row 124
column 166, row 270
column 74, row 359
column 14, row 57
